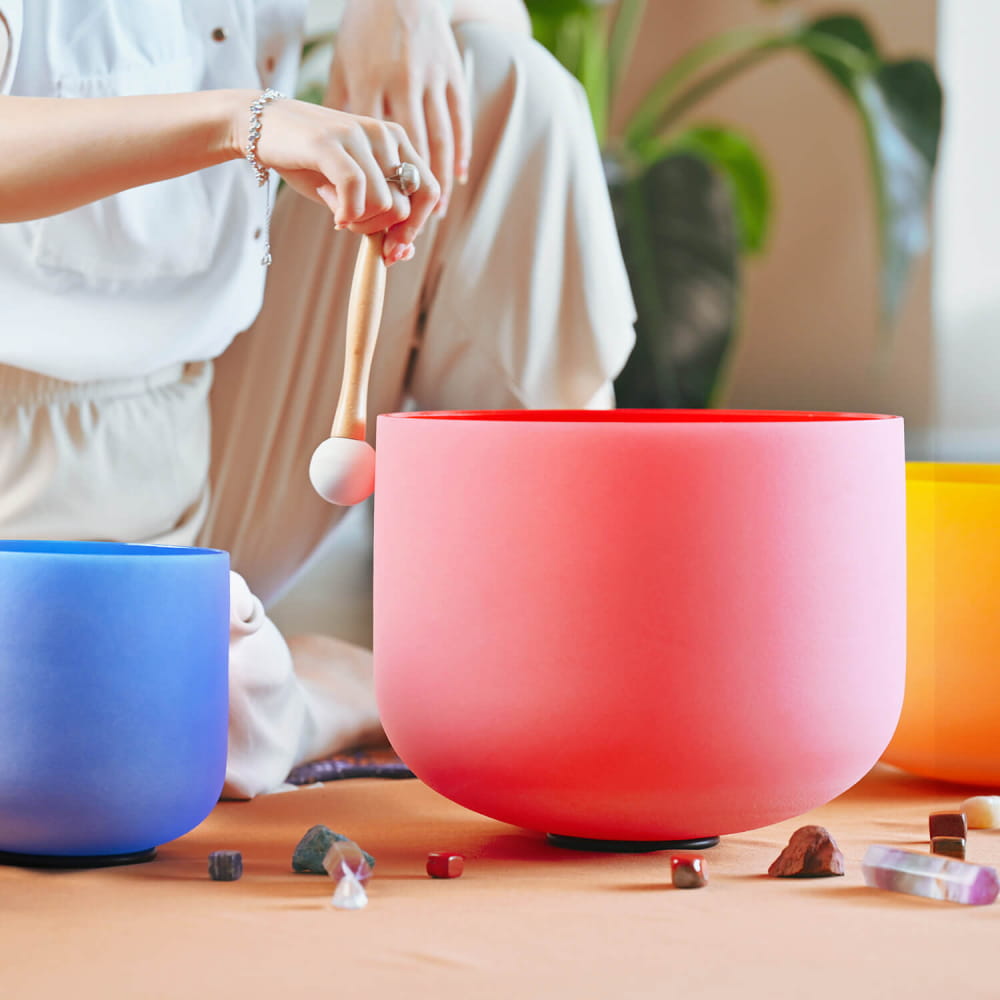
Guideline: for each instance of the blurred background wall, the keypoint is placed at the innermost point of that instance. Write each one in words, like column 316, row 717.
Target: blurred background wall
column 967, row 237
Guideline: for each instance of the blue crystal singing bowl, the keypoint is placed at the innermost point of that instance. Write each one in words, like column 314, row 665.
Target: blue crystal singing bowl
column 113, row 696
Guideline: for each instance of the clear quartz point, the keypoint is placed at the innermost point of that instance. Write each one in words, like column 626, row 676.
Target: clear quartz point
column 344, row 856
column 350, row 893
column 347, row 865
column 933, row 876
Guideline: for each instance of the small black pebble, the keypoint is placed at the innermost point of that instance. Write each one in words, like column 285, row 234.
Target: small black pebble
column 225, row 866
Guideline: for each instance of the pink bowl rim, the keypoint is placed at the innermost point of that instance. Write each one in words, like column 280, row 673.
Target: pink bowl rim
column 637, row 416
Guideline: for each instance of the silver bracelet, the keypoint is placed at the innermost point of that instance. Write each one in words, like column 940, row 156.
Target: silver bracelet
column 254, row 134
column 261, row 172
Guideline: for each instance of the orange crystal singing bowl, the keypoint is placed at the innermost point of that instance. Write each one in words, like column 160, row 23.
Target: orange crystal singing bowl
column 640, row 625
column 951, row 710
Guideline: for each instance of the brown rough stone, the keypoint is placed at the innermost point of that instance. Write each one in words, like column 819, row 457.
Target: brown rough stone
column 811, row 853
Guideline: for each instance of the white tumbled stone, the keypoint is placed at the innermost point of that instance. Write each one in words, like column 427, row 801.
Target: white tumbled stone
column 982, row 812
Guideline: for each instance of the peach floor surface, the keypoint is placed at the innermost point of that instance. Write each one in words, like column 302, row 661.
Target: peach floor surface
column 526, row 920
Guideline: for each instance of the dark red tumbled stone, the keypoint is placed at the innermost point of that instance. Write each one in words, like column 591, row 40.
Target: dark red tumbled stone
column 687, row 871
column 441, row 864
column 948, row 824
column 952, row 847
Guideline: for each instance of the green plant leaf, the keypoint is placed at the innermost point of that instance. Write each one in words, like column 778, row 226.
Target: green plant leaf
column 557, row 8
column 593, row 69
column 311, row 93
column 735, row 156
column 853, row 32
column 313, row 42
column 900, row 107
column 915, row 101
column 743, row 46
column 676, row 225
column 577, row 37
column 621, row 41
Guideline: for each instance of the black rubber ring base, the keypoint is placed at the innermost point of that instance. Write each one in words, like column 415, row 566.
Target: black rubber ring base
column 630, row 846
column 73, row 861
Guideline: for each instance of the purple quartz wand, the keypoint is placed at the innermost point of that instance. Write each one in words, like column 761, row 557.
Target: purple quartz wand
column 930, row 875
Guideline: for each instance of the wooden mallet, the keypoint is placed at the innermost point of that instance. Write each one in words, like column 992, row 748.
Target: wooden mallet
column 342, row 468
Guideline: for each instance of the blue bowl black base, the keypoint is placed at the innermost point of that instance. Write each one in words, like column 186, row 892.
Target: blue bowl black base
column 630, row 846
column 73, row 861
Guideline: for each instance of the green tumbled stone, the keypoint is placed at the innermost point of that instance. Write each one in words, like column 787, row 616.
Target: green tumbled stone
column 313, row 848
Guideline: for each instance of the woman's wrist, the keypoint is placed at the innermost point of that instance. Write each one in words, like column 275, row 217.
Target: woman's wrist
column 234, row 121
column 60, row 154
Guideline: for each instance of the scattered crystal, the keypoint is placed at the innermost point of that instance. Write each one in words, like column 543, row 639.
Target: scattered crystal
column 350, row 893
column 948, row 824
column 313, row 847
column 687, row 871
column 982, row 812
column 811, row 853
column 929, row 875
column 345, row 858
column 225, row 866
column 441, row 864
column 952, row 847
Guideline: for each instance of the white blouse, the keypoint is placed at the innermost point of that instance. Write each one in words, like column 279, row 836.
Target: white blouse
column 168, row 272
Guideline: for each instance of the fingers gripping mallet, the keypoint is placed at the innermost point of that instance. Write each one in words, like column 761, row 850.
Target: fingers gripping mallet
column 342, row 468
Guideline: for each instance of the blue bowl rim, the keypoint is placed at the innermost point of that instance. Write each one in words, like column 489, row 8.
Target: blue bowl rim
column 71, row 547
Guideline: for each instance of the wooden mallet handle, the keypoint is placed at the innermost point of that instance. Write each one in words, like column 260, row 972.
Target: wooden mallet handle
column 364, row 315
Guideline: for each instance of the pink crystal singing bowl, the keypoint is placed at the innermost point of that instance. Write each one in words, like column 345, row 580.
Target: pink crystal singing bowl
column 640, row 625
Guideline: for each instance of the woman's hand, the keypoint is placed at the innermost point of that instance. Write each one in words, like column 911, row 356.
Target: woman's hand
column 342, row 160
column 398, row 60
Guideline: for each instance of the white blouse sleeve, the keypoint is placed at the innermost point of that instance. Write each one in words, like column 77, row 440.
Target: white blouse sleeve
column 10, row 40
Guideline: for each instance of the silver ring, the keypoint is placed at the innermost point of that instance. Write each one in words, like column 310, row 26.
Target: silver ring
column 406, row 177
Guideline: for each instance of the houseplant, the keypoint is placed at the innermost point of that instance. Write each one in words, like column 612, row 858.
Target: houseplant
column 692, row 200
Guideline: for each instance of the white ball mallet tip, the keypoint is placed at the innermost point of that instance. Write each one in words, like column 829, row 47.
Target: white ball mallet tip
column 342, row 471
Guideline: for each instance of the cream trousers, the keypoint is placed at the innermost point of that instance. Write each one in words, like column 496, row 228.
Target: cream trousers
column 517, row 298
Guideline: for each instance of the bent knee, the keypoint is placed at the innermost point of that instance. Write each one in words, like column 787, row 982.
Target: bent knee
column 509, row 64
